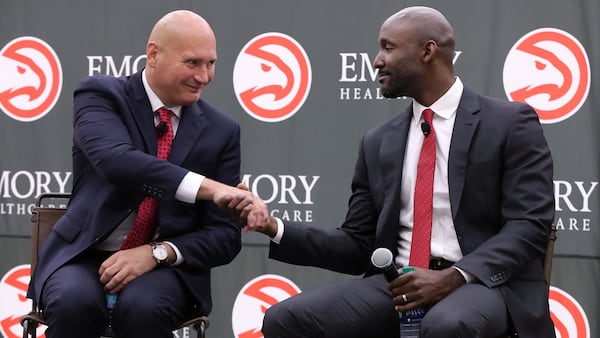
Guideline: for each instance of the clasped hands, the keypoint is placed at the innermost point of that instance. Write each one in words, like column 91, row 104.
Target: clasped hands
column 247, row 209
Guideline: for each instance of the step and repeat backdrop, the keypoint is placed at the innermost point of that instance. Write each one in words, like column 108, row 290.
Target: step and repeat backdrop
column 299, row 148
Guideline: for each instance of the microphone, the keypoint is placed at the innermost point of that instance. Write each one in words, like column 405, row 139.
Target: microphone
column 161, row 128
column 425, row 128
column 410, row 320
column 383, row 259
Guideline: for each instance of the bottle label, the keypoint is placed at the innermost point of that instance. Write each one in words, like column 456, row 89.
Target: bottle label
column 413, row 315
column 111, row 300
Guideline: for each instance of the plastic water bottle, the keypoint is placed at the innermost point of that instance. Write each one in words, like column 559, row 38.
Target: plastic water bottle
column 111, row 300
column 410, row 321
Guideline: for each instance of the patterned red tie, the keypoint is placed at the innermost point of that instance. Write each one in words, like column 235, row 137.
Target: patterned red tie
column 145, row 223
column 421, row 238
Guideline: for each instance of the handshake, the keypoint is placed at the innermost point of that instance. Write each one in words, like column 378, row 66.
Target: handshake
column 245, row 208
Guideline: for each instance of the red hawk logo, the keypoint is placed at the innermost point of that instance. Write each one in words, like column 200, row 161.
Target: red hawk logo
column 570, row 320
column 31, row 79
column 549, row 70
column 254, row 299
column 272, row 77
column 13, row 290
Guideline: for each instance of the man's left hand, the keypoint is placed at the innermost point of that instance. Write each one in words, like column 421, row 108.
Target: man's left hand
column 423, row 287
column 124, row 266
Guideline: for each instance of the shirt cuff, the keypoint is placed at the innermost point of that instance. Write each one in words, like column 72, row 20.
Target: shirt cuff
column 188, row 188
column 178, row 256
column 277, row 238
column 469, row 278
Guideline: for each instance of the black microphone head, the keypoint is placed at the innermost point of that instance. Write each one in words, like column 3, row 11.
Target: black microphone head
column 425, row 128
column 161, row 129
column 382, row 258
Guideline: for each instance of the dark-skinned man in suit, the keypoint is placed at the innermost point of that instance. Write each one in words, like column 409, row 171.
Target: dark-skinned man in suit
column 492, row 209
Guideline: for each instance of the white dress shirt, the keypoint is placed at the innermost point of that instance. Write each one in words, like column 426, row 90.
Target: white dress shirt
column 444, row 243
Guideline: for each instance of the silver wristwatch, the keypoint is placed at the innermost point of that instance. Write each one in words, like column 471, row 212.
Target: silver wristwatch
column 160, row 253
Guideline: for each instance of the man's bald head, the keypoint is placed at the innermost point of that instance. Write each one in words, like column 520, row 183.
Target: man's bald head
column 177, row 25
column 425, row 24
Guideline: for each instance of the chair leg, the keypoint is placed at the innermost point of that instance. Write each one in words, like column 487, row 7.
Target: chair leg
column 199, row 327
column 25, row 331
column 29, row 328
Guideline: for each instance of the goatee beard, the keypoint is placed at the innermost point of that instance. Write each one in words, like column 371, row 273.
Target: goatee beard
column 388, row 94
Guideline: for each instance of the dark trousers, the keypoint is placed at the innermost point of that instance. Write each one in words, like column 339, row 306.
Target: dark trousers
column 359, row 308
column 74, row 302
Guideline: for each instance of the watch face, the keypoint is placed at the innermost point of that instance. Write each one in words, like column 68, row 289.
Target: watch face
column 160, row 252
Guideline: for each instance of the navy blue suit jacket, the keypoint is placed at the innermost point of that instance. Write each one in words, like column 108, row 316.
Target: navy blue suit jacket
column 501, row 196
column 115, row 167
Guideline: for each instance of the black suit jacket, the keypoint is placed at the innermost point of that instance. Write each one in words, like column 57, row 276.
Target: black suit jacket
column 501, row 194
column 115, row 167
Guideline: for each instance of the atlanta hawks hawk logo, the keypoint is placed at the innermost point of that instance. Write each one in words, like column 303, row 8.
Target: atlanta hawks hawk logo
column 31, row 78
column 272, row 77
column 548, row 69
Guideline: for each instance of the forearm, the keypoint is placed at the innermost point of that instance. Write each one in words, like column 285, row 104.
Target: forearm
column 212, row 245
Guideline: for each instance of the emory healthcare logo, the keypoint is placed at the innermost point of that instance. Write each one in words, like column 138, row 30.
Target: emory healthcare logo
column 549, row 70
column 568, row 316
column 31, row 78
column 13, row 290
column 272, row 77
column 254, row 299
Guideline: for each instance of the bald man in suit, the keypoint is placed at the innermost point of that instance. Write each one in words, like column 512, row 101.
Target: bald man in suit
column 116, row 126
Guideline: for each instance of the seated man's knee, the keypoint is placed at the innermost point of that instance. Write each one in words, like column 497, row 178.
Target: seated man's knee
column 437, row 324
column 274, row 320
column 285, row 319
column 142, row 312
column 74, row 309
column 71, row 302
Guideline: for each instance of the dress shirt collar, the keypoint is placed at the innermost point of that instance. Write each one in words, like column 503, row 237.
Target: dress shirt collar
column 155, row 102
column 445, row 106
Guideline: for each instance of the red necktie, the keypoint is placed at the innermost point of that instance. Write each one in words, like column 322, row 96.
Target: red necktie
column 145, row 223
column 421, row 237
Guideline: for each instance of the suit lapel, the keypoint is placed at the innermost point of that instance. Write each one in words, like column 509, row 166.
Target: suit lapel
column 142, row 112
column 191, row 125
column 464, row 128
column 391, row 153
column 393, row 145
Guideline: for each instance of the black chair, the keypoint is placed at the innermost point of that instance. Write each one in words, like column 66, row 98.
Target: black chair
column 42, row 221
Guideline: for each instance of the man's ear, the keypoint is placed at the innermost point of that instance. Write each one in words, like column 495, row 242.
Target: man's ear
column 428, row 50
column 151, row 52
